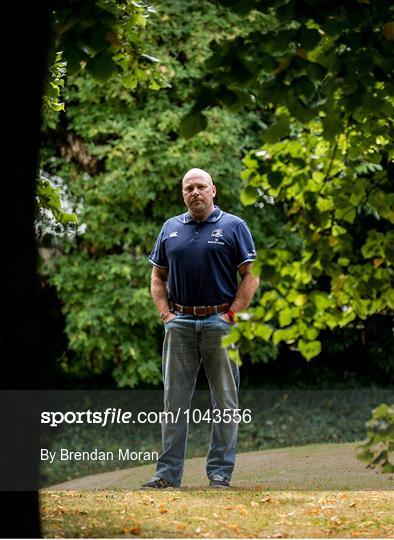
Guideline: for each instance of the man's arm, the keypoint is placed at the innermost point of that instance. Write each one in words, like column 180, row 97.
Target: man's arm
column 246, row 289
column 158, row 289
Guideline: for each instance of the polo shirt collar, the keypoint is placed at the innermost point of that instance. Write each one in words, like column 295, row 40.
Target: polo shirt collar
column 212, row 218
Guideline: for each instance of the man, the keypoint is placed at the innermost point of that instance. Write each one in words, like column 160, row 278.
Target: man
column 194, row 287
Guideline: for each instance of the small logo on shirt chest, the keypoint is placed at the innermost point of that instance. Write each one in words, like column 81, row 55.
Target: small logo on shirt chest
column 174, row 233
column 217, row 233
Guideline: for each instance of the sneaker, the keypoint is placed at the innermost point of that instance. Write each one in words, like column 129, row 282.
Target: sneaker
column 218, row 481
column 157, row 483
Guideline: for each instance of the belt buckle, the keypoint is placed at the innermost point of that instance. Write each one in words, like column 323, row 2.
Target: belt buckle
column 197, row 307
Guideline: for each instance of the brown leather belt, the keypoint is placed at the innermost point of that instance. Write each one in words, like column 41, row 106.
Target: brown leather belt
column 199, row 311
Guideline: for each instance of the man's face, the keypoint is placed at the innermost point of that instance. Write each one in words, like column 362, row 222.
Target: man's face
column 198, row 193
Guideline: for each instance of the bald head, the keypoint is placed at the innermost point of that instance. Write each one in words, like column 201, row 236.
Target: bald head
column 198, row 193
column 195, row 174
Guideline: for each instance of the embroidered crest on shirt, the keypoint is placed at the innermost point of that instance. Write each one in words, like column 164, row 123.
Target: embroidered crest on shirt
column 217, row 233
column 174, row 233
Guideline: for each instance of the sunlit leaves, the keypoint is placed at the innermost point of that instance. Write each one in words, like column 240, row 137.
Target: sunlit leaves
column 324, row 195
column 379, row 245
column 249, row 196
column 55, row 83
column 377, row 449
column 48, row 198
column 309, row 349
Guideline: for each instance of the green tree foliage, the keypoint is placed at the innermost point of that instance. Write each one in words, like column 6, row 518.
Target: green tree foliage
column 53, row 87
column 339, row 212
column 49, row 212
column 378, row 447
column 104, row 38
column 119, row 151
column 323, row 74
column 111, row 47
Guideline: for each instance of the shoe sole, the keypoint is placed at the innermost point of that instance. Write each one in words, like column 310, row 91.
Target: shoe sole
column 159, row 488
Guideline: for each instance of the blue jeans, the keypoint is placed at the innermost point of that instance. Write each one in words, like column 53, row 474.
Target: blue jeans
column 190, row 341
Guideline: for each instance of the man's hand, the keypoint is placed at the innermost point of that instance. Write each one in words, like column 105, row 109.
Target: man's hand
column 170, row 315
column 226, row 318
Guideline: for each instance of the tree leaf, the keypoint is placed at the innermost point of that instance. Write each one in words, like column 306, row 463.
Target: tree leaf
column 192, row 124
column 101, row 67
column 309, row 349
column 249, row 196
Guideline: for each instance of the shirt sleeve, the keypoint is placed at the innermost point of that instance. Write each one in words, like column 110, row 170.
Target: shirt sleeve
column 158, row 255
column 244, row 245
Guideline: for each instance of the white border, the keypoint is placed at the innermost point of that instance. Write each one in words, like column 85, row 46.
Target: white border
column 158, row 265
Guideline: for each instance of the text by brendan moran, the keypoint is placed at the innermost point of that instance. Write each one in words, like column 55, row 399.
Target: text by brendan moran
column 123, row 454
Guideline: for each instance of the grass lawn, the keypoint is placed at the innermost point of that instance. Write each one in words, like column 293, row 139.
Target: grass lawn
column 203, row 514
column 310, row 491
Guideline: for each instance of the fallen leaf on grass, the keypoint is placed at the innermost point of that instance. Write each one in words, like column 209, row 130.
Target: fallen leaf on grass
column 387, row 528
column 278, row 535
column 132, row 530
column 254, row 504
column 313, row 511
column 234, row 527
column 285, row 522
column 267, row 498
column 352, row 504
column 181, row 526
column 323, row 500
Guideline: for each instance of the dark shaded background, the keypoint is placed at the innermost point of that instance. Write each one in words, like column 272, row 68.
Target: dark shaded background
column 24, row 352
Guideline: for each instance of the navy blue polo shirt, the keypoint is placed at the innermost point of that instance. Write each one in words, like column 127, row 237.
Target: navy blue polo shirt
column 203, row 257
